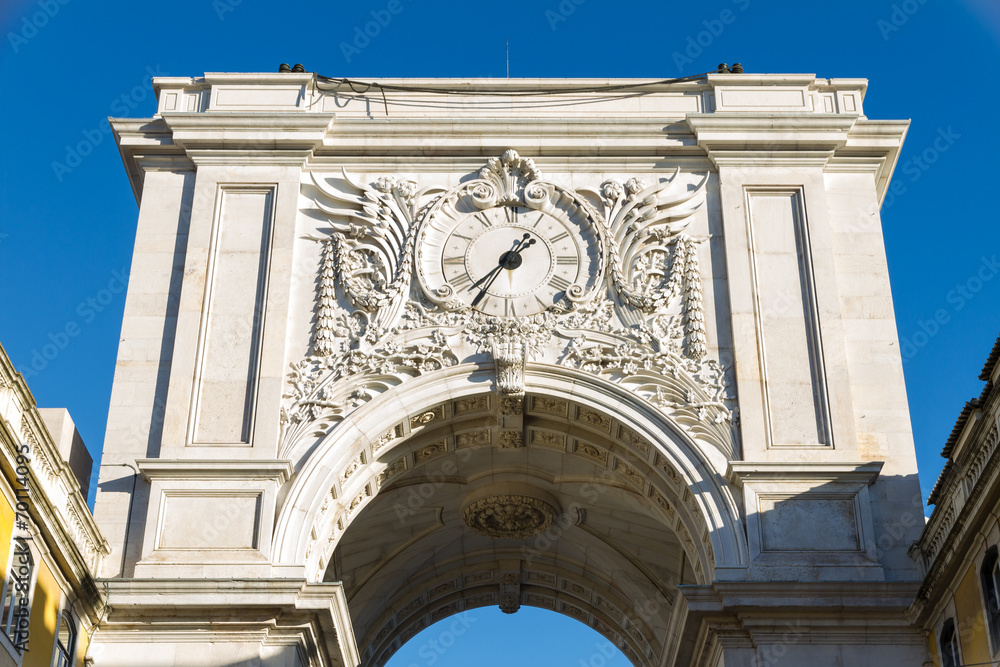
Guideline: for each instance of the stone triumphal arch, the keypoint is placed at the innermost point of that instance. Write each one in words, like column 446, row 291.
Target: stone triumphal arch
column 624, row 352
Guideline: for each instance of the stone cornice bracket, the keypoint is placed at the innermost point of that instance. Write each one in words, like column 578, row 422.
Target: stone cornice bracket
column 509, row 356
column 740, row 472
column 279, row 471
column 147, row 144
column 834, row 142
column 249, row 137
column 770, row 139
column 179, row 141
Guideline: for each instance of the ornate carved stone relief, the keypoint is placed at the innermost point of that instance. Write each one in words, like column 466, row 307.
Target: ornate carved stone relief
column 639, row 323
column 509, row 517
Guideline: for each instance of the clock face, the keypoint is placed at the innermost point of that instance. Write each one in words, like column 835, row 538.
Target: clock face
column 509, row 251
column 512, row 261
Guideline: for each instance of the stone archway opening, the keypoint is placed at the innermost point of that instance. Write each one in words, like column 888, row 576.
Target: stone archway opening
column 487, row 637
column 580, row 516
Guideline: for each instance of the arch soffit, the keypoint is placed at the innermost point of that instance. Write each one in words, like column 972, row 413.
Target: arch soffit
column 341, row 473
column 591, row 602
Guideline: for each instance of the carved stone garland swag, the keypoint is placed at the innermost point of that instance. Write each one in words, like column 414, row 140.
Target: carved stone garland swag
column 378, row 329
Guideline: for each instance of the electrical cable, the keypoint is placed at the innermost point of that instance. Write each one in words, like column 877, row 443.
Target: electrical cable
column 354, row 84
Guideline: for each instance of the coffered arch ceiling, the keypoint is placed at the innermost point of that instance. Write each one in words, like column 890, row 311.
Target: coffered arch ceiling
column 574, row 521
column 422, row 507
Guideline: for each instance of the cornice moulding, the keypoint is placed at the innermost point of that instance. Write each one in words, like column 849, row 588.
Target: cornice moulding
column 967, row 496
column 256, row 77
column 479, row 136
column 770, row 122
column 247, row 157
column 141, row 131
column 552, row 161
column 171, row 163
column 773, row 595
column 746, row 79
column 135, row 592
column 247, row 120
column 203, row 469
column 951, row 560
column 772, row 131
column 743, row 80
column 139, row 138
column 740, row 472
column 246, row 130
column 750, row 158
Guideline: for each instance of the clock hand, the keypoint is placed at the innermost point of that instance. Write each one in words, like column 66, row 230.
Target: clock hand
column 509, row 260
column 512, row 259
column 493, row 272
column 482, row 293
column 502, row 264
column 504, row 261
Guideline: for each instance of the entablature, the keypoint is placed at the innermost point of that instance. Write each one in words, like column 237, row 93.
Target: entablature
column 287, row 118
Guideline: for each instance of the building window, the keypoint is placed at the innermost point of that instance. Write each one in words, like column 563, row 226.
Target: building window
column 65, row 647
column 990, row 576
column 950, row 656
column 17, row 593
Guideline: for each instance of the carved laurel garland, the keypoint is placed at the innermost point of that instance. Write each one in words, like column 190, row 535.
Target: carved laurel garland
column 324, row 331
column 375, row 328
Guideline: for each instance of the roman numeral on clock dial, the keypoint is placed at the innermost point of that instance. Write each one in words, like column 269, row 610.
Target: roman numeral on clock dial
column 559, row 283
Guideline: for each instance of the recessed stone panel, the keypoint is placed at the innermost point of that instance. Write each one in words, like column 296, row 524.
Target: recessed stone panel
column 809, row 524
column 547, row 439
column 793, row 380
column 209, row 521
column 472, row 404
column 233, row 317
column 241, row 98
column 550, row 406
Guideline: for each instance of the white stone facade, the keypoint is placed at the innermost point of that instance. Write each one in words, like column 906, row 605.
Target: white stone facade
column 620, row 349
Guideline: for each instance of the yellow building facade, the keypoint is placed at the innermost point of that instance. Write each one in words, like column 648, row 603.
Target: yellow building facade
column 49, row 543
column 958, row 605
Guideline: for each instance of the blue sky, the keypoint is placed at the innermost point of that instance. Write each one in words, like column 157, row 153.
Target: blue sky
column 67, row 214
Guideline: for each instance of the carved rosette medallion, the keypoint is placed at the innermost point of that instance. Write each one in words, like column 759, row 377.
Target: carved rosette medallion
column 509, row 517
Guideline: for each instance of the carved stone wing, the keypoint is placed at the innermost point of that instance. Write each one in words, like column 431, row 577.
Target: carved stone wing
column 370, row 247
column 642, row 221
